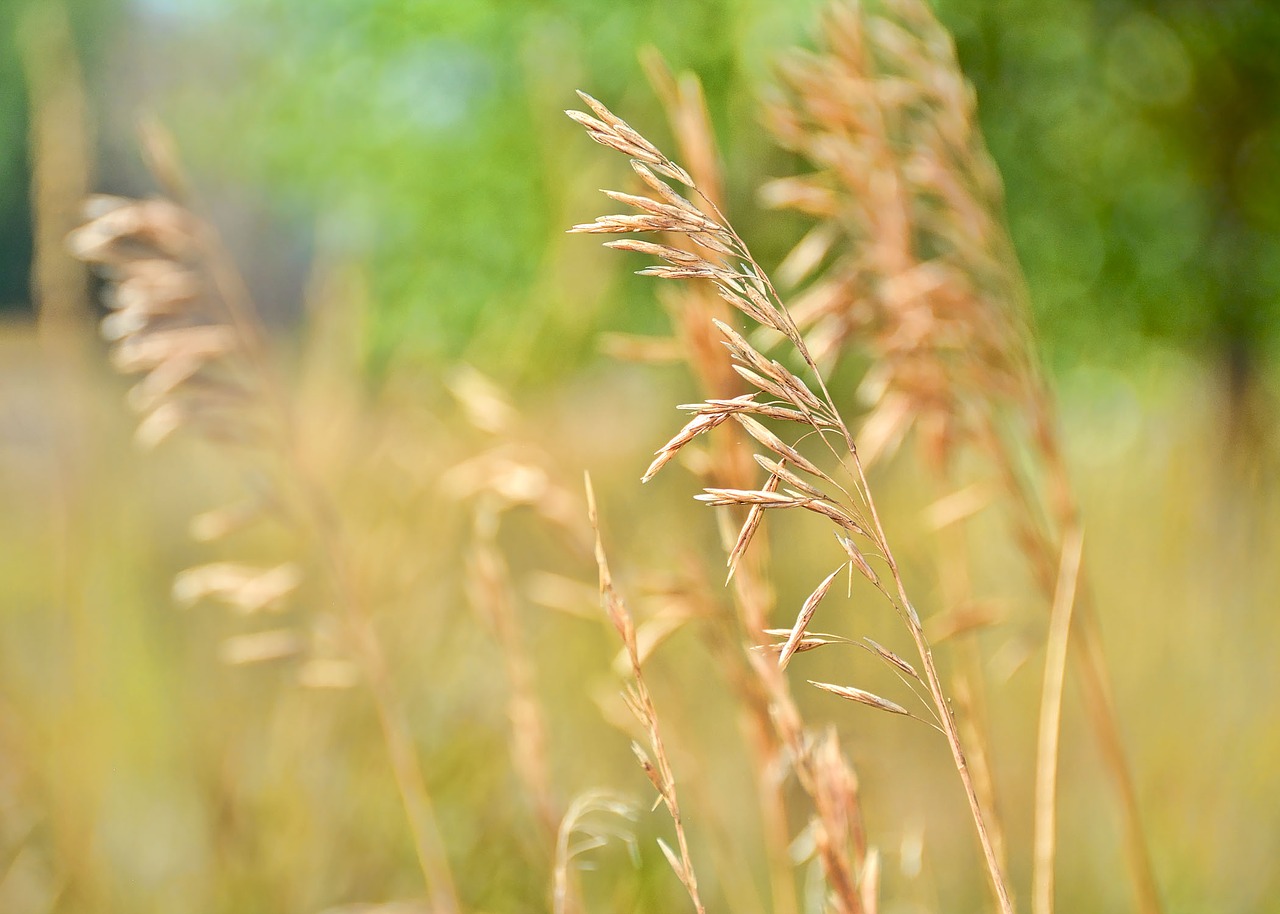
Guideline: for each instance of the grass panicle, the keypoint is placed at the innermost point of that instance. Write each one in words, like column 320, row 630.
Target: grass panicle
column 180, row 316
column 909, row 262
column 745, row 286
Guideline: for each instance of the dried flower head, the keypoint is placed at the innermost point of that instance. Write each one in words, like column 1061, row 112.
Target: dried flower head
column 908, row 258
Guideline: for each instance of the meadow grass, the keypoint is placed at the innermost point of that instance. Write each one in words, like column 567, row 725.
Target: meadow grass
column 460, row 683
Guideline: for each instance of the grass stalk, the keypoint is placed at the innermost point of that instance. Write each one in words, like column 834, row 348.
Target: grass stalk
column 969, row 684
column 1099, row 701
column 640, row 702
column 748, row 289
column 174, row 264
column 490, row 592
column 424, row 828
column 694, row 310
column 1055, row 668
column 943, row 706
column 1086, row 652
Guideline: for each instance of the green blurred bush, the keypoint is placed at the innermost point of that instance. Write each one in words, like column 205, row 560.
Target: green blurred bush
column 1139, row 146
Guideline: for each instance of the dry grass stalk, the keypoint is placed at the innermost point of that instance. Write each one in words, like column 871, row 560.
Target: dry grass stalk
column 490, row 592
column 1055, row 670
column 497, row 481
column 747, row 289
column 180, row 316
column 1046, row 526
column 640, row 701
column 968, row 673
column 588, row 823
column 911, row 257
column 886, row 117
column 838, row 831
column 799, row 628
column 862, row 697
column 837, row 838
column 168, row 322
column 771, row 719
column 510, row 475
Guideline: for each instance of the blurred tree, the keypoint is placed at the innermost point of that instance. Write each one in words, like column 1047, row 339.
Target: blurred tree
column 25, row 35
column 15, row 220
column 1140, row 144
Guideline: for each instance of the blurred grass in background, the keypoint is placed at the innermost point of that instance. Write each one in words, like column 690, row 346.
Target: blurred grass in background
column 416, row 152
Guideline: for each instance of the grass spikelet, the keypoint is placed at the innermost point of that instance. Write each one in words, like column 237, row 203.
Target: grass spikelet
column 862, row 697
column 804, row 617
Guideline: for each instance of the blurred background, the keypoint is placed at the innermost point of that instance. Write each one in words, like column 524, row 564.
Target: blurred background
column 394, row 180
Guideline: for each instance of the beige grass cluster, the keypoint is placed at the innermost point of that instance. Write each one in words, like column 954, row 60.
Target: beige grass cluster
column 181, row 317
column 795, row 481
column 780, row 740
column 507, row 475
column 167, row 323
column 910, row 263
column 908, row 256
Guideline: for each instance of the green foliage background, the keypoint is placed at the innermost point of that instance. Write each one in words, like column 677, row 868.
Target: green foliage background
column 1139, row 145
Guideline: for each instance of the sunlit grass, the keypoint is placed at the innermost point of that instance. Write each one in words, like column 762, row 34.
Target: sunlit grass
column 139, row 774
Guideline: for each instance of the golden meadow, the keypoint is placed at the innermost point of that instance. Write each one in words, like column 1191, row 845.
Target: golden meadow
column 297, row 616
